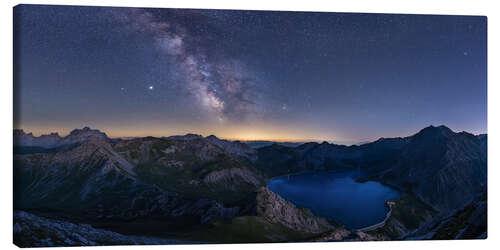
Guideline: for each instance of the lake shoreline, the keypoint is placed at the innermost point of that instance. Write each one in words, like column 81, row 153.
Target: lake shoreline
column 377, row 225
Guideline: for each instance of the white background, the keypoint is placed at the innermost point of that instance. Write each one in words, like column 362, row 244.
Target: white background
column 470, row 7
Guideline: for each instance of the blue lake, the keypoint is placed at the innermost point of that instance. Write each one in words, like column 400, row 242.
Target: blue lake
column 337, row 196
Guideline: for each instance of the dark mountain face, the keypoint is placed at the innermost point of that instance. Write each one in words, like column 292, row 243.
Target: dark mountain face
column 444, row 168
column 483, row 138
column 376, row 156
column 278, row 160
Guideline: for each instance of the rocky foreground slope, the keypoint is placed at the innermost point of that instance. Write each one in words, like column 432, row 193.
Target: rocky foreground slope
column 35, row 231
column 276, row 219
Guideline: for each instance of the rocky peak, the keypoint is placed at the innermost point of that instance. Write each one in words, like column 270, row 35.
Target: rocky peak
column 53, row 140
column 18, row 132
column 235, row 148
column 84, row 134
column 326, row 146
column 435, row 131
column 212, row 137
column 23, row 139
column 432, row 139
column 442, row 139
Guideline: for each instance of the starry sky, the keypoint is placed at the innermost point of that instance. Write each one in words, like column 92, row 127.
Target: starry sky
column 289, row 76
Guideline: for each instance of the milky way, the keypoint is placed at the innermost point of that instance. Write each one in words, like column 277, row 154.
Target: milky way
column 220, row 86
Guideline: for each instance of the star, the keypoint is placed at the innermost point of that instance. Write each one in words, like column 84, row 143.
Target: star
column 151, row 87
column 466, row 53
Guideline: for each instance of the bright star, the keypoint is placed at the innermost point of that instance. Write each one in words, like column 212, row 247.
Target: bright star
column 151, row 87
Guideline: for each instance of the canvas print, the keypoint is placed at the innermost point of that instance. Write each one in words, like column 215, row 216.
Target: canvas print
column 144, row 126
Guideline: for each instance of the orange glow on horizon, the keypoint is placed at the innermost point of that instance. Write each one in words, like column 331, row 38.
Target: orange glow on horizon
column 241, row 133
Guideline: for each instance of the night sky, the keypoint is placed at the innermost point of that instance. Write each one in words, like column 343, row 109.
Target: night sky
column 292, row 76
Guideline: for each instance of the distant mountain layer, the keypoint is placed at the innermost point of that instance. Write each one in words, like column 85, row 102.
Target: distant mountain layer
column 260, row 144
column 214, row 188
column 53, row 140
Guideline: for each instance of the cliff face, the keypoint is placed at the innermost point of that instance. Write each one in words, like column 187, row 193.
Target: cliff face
column 232, row 175
column 278, row 210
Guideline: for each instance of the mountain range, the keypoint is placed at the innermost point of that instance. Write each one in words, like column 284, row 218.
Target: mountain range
column 206, row 189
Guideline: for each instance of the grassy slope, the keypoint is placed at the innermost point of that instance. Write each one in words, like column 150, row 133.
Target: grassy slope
column 408, row 213
column 249, row 229
column 459, row 221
